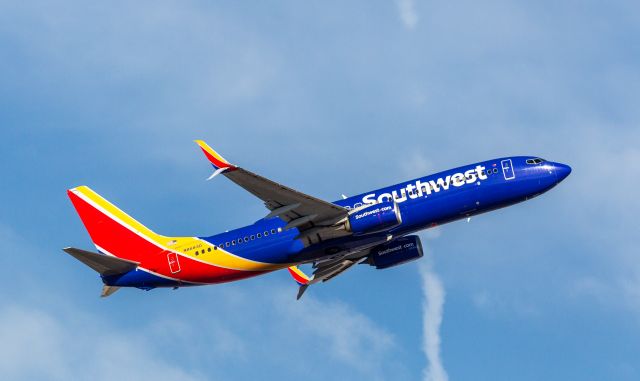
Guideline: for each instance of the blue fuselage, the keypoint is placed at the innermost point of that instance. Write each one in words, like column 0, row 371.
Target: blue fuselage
column 424, row 202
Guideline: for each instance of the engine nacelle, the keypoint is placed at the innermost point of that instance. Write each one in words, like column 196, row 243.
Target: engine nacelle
column 374, row 218
column 400, row 250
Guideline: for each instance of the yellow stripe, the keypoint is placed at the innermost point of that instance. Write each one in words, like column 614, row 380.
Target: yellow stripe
column 121, row 216
column 296, row 270
column 181, row 245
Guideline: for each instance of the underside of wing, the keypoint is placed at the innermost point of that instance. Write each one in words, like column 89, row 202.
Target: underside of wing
column 326, row 270
column 383, row 255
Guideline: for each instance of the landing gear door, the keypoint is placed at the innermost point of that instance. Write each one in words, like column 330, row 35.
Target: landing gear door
column 507, row 169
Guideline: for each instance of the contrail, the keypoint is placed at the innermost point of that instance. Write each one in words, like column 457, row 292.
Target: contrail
column 432, row 307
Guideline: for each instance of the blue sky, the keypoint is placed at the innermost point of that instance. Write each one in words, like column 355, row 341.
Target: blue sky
column 328, row 98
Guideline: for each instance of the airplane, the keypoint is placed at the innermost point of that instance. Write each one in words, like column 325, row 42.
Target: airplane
column 376, row 228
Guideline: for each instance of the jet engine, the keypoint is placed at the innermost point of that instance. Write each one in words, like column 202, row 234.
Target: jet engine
column 398, row 251
column 374, row 218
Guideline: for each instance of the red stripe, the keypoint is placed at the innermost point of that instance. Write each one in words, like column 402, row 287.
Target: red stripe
column 214, row 161
column 297, row 277
column 122, row 242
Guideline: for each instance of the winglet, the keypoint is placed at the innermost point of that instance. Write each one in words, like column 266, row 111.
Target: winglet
column 218, row 162
column 301, row 278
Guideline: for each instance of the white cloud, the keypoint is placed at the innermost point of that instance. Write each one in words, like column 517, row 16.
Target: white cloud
column 408, row 13
column 433, row 312
column 238, row 336
column 352, row 337
column 37, row 344
column 499, row 304
column 415, row 164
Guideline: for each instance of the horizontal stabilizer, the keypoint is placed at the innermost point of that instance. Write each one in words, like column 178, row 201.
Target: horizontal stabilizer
column 108, row 290
column 105, row 265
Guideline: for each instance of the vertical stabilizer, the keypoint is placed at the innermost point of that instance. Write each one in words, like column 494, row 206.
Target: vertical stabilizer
column 113, row 231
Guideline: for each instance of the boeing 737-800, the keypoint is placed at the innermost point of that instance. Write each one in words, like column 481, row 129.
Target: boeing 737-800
column 375, row 228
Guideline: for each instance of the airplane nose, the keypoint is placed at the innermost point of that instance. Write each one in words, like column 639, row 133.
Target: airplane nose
column 562, row 171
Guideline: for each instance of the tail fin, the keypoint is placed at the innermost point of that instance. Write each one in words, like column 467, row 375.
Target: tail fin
column 113, row 231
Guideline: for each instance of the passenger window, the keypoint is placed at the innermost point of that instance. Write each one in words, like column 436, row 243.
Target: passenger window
column 246, row 239
column 266, row 233
column 273, row 231
column 253, row 237
column 227, row 244
column 279, row 230
column 233, row 242
column 259, row 235
column 495, row 170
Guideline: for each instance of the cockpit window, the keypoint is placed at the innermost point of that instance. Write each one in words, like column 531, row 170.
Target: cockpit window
column 534, row 161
